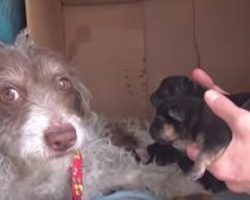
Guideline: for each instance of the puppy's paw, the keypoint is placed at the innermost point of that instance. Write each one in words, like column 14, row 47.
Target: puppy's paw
column 196, row 172
column 203, row 160
column 142, row 155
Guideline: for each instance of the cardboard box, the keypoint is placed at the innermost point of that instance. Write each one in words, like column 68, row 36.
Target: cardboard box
column 123, row 48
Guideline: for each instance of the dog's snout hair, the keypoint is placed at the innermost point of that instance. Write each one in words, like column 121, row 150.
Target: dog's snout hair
column 37, row 90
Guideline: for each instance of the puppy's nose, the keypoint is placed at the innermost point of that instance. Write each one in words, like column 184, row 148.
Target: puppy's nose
column 60, row 137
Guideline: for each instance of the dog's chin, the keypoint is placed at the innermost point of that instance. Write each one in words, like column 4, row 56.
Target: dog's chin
column 53, row 154
column 59, row 154
column 47, row 154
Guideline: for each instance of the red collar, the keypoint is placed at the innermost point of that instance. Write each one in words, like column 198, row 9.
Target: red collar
column 76, row 176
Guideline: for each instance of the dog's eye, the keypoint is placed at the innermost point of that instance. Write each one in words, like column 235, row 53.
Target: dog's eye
column 64, row 83
column 10, row 94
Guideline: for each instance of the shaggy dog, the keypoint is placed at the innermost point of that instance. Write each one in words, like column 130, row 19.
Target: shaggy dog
column 45, row 117
column 183, row 117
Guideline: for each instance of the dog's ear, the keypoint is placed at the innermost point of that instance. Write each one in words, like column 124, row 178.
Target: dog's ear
column 83, row 99
column 23, row 41
column 176, row 113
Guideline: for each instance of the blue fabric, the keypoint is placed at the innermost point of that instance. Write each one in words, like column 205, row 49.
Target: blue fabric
column 230, row 196
column 135, row 195
column 128, row 195
column 12, row 19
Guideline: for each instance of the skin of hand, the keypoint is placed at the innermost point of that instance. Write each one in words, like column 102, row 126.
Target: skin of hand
column 233, row 166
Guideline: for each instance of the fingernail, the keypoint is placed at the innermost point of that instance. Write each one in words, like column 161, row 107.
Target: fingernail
column 211, row 95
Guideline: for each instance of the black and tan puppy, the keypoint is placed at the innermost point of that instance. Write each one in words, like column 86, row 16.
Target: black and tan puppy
column 182, row 117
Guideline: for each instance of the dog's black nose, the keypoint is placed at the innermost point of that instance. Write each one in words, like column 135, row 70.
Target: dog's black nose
column 60, row 137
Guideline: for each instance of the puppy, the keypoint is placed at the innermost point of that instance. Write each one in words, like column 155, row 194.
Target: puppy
column 45, row 117
column 182, row 117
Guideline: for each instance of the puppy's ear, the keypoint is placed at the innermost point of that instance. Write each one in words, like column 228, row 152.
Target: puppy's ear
column 83, row 99
column 157, row 98
column 176, row 113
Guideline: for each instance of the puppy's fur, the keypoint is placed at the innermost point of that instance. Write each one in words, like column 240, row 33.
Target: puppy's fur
column 183, row 117
column 38, row 94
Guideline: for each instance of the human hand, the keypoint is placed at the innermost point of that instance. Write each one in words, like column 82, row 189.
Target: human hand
column 233, row 166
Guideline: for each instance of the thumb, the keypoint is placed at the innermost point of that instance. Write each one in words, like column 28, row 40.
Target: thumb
column 222, row 106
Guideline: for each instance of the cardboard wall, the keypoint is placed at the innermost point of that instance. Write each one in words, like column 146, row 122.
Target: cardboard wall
column 106, row 45
column 122, row 51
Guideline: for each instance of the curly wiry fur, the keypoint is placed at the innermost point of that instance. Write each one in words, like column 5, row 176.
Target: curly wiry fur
column 31, row 169
column 112, row 167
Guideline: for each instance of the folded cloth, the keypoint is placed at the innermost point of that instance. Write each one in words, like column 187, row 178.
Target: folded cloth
column 128, row 195
column 195, row 197
column 230, row 196
column 135, row 195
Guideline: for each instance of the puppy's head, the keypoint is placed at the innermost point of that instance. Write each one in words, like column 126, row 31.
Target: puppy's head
column 175, row 102
column 42, row 105
column 175, row 86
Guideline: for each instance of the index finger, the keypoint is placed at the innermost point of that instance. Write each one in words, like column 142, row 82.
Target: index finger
column 201, row 77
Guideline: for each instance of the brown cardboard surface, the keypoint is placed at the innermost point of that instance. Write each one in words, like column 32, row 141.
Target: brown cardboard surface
column 91, row 2
column 45, row 23
column 105, row 44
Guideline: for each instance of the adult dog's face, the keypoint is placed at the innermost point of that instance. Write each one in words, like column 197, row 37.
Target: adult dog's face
column 41, row 105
